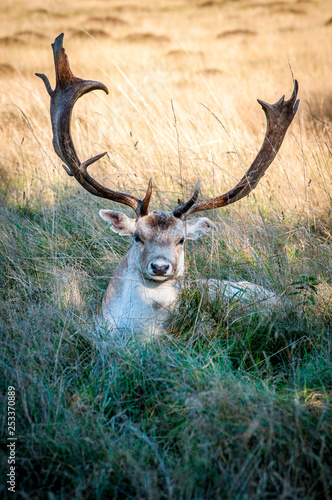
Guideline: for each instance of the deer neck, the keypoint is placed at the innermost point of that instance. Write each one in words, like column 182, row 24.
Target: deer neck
column 131, row 301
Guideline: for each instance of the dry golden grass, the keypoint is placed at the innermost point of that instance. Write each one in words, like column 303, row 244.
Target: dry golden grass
column 221, row 54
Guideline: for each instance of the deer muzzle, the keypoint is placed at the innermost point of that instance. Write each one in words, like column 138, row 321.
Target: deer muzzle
column 159, row 269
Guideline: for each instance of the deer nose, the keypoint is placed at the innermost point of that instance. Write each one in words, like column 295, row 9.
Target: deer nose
column 159, row 270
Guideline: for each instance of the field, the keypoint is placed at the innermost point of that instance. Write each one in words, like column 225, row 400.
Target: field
column 232, row 402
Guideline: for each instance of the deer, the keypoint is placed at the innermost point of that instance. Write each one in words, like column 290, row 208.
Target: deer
column 143, row 292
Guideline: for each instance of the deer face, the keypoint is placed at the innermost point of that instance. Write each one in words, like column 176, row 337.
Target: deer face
column 158, row 248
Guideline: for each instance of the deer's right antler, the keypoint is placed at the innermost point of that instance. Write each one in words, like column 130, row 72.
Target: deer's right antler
column 68, row 89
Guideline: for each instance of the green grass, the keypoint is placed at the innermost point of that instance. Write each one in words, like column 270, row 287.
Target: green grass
column 231, row 403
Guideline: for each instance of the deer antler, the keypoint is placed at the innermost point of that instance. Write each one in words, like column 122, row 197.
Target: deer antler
column 68, row 89
column 279, row 116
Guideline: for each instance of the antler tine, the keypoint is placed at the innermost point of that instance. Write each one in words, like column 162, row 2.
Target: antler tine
column 278, row 116
column 145, row 203
column 182, row 209
column 68, row 90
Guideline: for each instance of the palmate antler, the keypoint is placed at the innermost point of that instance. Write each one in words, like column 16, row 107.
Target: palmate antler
column 68, row 89
column 279, row 116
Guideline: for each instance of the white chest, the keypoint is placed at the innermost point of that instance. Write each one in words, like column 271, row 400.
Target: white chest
column 141, row 306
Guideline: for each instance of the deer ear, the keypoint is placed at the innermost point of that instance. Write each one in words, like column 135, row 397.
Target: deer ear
column 195, row 228
column 120, row 223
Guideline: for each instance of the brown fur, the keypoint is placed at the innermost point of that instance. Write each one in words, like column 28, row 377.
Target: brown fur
column 162, row 221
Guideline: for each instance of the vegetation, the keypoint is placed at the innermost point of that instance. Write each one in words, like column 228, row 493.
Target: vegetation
column 233, row 402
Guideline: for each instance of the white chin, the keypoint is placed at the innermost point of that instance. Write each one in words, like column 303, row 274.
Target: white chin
column 158, row 278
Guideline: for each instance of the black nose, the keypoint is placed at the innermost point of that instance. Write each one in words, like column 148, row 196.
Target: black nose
column 159, row 270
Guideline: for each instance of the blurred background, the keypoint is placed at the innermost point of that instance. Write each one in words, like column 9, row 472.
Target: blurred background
column 222, row 54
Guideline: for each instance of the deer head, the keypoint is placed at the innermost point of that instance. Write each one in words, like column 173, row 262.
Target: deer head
column 158, row 236
column 158, row 240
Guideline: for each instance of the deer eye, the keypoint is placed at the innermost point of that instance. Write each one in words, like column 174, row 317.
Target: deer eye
column 137, row 238
column 181, row 241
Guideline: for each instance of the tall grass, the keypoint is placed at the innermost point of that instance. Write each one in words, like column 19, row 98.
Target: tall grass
column 232, row 402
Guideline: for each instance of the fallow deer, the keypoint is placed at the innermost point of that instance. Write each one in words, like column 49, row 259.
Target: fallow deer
column 144, row 289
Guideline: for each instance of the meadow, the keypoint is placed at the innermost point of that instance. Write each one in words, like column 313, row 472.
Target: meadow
column 232, row 402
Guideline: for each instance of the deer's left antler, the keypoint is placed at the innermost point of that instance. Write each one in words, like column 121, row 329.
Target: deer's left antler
column 279, row 116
